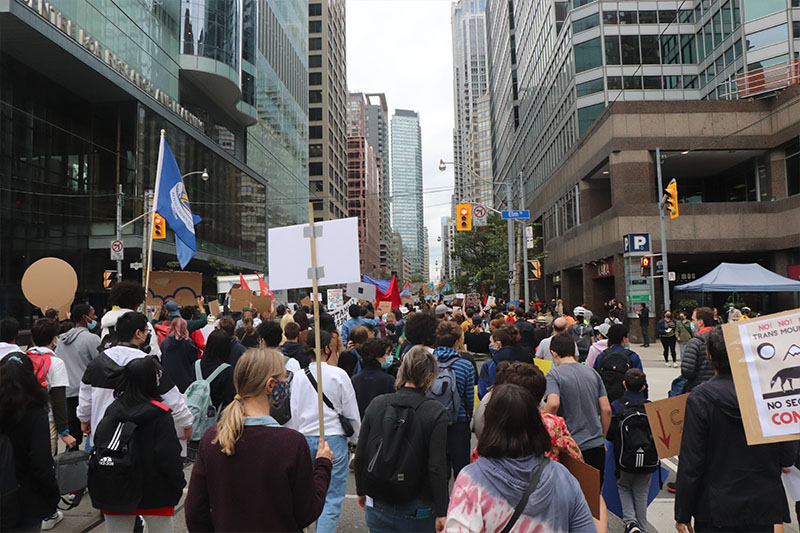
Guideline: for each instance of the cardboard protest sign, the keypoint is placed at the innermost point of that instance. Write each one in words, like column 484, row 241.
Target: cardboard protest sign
column 764, row 355
column 183, row 287
column 240, row 298
column 472, row 300
column 384, row 308
column 407, row 300
column 337, row 254
column 335, row 298
column 213, row 306
column 666, row 423
column 361, row 291
column 262, row 304
column 50, row 282
column 589, row 479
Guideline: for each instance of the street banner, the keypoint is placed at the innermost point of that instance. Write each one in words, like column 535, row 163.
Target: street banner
column 183, row 287
column 335, row 298
column 666, row 422
column 764, row 355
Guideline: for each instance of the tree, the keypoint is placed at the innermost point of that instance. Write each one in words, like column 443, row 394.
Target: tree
column 483, row 256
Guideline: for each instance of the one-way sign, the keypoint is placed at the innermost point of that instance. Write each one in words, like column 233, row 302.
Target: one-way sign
column 516, row 215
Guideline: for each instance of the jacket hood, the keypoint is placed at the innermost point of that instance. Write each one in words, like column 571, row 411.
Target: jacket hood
column 510, row 476
column 110, row 319
column 292, row 349
column 722, row 393
column 506, row 353
column 68, row 337
column 138, row 413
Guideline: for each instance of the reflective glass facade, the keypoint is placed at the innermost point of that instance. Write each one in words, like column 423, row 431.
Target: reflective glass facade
column 212, row 28
column 407, row 219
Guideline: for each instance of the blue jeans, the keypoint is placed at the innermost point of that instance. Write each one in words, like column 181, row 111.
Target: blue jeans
column 336, row 490
column 385, row 517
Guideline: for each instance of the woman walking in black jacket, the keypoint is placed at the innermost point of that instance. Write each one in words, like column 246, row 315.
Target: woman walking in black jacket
column 23, row 420
column 373, row 380
column 178, row 354
column 155, row 449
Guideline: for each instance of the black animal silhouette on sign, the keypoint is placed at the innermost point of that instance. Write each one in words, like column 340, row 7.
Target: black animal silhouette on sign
column 786, row 374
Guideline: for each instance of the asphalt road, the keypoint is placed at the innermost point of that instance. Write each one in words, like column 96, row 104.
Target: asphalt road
column 660, row 513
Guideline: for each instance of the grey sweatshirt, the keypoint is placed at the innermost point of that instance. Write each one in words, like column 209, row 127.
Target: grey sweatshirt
column 76, row 348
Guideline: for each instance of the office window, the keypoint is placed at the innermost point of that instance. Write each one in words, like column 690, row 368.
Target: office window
column 667, row 16
column 767, row 37
column 632, row 82
column 650, row 55
column 628, row 17
column 690, row 82
column 652, row 82
column 586, row 23
column 610, row 17
column 648, row 17
column 708, row 38
column 614, row 82
column 587, row 116
column 314, row 26
column 315, row 169
column 315, row 132
column 670, row 50
column 315, row 61
column 612, row 50
column 754, row 9
column 315, row 43
column 588, row 55
column 315, row 78
column 314, row 10
column 793, row 169
column 590, row 87
column 672, row 82
column 314, row 97
column 630, row 50
column 688, row 49
column 315, row 113
column 686, row 16
column 727, row 20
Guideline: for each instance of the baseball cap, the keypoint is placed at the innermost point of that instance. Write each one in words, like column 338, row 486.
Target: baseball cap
column 441, row 309
column 602, row 329
column 172, row 308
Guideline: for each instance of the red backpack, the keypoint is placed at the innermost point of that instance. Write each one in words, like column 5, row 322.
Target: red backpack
column 162, row 331
column 41, row 365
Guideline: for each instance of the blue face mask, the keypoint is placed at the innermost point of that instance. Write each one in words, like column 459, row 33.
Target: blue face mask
column 280, row 392
column 92, row 324
column 387, row 362
column 694, row 328
column 492, row 349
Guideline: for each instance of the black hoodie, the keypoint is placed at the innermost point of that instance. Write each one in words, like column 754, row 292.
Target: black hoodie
column 722, row 480
column 295, row 350
column 158, row 449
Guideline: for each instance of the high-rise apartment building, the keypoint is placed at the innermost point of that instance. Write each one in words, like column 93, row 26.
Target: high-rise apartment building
column 363, row 186
column 470, row 82
column 400, row 263
column 584, row 95
column 407, row 215
column 448, row 272
column 426, row 256
column 378, row 137
column 327, row 109
column 87, row 88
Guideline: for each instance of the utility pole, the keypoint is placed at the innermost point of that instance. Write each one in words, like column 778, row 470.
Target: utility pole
column 120, row 201
column 511, row 291
column 525, row 270
column 664, row 262
column 148, row 203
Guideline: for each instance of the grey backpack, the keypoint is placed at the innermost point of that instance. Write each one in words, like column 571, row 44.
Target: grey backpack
column 444, row 389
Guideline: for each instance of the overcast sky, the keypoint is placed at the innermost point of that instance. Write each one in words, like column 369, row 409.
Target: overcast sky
column 404, row 48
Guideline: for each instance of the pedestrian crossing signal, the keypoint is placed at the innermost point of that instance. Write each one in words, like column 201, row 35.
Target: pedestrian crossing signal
column 671, row 199
column 646, row 266
column 464, row 217
column 159, row 227
column 108, row 278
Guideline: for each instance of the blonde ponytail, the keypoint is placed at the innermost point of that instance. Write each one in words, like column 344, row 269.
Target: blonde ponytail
column 254, row 368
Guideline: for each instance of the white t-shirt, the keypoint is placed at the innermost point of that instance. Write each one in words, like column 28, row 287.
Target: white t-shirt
column 7, row 348
column 543, row 350
column 56, row 376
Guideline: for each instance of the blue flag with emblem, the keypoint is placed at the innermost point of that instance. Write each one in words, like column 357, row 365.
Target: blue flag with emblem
column 172, row 203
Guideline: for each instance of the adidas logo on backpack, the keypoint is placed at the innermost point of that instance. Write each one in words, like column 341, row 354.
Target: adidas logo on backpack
column 106, row 461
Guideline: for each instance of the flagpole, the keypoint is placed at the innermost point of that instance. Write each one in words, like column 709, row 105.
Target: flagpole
column 314, row 297
column 152, row 216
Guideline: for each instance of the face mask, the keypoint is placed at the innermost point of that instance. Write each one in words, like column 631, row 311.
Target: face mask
column 387, row 362
column 668, row 316
column 279, row 392
column 694, row 328
column 92, row 324
column 492, row 349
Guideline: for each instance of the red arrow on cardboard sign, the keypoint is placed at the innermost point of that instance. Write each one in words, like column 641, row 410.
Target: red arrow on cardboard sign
column 665, row 438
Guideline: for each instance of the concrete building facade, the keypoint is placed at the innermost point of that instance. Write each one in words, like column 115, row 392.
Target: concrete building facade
column 378, row 137
column 327, row 97
column 407, row 209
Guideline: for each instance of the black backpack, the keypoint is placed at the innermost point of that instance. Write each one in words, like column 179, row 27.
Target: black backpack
column 636, row 450
column 10, row 504
column 613, row 366
column 582, row 335
column 396, row 453
column 282, row 412
column 115, row 478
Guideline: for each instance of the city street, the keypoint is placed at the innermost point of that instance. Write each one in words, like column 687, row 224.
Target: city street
column 660, row 512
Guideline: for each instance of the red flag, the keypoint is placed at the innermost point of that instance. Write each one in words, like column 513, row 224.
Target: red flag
column 484, row 294
column 242, row 282
column 263, row 285
column 392, row 294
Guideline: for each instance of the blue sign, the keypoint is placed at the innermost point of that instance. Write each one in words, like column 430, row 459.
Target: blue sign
column 516, row 215
column 636, row 243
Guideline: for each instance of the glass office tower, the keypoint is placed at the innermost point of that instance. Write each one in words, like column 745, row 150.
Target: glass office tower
column 407, row 219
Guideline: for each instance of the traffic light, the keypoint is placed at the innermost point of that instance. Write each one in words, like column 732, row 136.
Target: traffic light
column 671, row 199
column 536, row 269
column 464, row 217
column 108, row 278
column 159, row 227
column 646, row 268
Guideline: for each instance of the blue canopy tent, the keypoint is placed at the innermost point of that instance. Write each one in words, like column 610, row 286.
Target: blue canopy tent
column 737, row 277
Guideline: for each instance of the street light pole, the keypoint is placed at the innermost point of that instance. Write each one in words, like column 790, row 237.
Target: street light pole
column 511, row 287
column 664, row 262
column 525, row 271
column 120, row 200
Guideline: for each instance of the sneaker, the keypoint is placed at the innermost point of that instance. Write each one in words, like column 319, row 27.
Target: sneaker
column 675, row 364
column 51, row 521
column 668, row 363
column 633, row 527
column 672, row 487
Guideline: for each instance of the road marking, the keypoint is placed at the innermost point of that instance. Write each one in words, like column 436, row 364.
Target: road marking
column 671, row 463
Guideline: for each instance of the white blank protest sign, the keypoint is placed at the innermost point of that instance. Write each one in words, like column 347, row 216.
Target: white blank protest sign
column 337, row 254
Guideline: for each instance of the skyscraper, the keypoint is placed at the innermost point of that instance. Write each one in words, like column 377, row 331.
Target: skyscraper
column 470, row 82
column 327, row 114
column 378, row 137
column 364, row 192
column 407, row 216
